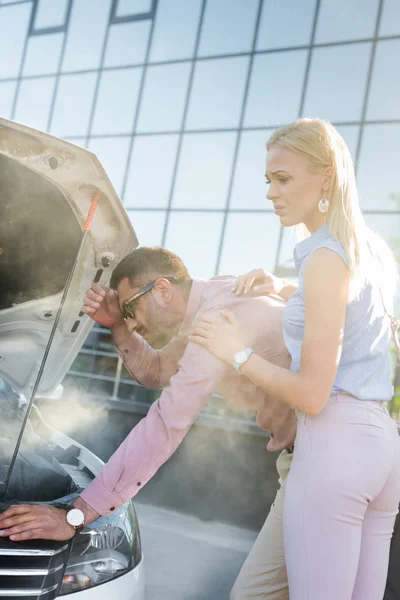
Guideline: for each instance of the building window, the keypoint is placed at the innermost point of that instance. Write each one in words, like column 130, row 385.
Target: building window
column 132, row 10
column 50, row 16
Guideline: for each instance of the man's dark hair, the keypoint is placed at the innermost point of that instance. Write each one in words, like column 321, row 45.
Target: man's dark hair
column 148, row 263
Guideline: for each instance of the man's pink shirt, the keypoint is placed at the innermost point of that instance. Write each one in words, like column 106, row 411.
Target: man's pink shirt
column 192, row 374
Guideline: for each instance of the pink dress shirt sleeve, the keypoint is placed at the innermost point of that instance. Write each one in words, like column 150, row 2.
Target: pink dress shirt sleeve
column 159, row 433
column 152, row 368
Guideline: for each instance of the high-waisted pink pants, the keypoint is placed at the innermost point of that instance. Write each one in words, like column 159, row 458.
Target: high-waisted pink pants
column 342, row 497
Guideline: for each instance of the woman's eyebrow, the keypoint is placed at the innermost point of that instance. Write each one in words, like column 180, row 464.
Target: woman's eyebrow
column 270, row 173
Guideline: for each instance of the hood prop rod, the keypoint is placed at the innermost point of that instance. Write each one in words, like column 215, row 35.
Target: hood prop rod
column 86, row 227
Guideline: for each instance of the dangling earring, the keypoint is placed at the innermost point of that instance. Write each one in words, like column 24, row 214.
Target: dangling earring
column 323, row 205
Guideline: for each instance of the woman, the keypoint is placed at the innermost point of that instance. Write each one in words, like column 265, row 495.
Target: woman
column 343, row 489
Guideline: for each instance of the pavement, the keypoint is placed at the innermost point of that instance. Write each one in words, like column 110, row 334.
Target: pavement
column 189, row 559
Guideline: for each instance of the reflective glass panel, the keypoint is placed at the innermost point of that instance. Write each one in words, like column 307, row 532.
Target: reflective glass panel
column 127, row 43
column 195, row 238
column 50, row 13
column 383, row 101
column 86, row 33
column 148, row 225
column 387, row 226
column 204, row 170
column 390, row 20
column 228, row 27
column 175, row 29
column 164, row 97
column 378, row 167
column 43, row 54
column 350, row 135
column 249, row 188
column 340, row 20
column 34, row 102
column 127, row 8
column 7, row 93
column 217, row 93
column 116, row 101
column 251, row 240
column 150, row 172
column 275, row 88
column 112, row 153
column 14, row 21
column 286, row 266
column 337, row 81
column 285, row 23
column 73, row 105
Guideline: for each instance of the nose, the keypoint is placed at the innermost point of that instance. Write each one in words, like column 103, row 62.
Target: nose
column 272, row 192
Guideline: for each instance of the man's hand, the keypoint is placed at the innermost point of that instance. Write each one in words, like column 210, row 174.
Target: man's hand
column 41, row 521
column 35, row 521
column 101, row 304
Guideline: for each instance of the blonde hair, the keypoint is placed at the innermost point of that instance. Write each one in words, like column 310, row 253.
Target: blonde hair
column 324, row 147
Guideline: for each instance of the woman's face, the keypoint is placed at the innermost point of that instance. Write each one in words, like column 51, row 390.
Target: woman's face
column 294, row 188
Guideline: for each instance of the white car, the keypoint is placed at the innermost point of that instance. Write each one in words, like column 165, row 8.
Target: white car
column 46, row 186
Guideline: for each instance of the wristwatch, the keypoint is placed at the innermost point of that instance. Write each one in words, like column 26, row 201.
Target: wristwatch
column 241, row 358
column 75, row 517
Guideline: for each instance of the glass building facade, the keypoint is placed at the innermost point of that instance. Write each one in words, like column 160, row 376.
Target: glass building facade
column 178, row 97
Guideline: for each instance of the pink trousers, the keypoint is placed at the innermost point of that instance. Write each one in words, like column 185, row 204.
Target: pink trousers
column 342, row 497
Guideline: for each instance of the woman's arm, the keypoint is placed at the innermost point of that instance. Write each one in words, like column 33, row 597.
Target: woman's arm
column 325, row 291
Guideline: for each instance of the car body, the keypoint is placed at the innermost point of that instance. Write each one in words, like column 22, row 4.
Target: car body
column 46, row 187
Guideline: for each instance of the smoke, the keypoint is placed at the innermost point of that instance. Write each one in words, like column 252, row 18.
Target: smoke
column 12, row 411
column 36, row 474
column 217, row 473
column 75, row 413
column 222, row 475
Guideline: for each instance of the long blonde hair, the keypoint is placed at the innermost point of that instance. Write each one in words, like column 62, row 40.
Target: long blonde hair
column 369, row 257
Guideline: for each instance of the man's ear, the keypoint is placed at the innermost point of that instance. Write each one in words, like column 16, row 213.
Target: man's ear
column 163, row 290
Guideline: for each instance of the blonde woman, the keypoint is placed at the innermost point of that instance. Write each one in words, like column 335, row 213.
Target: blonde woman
column 343, row 489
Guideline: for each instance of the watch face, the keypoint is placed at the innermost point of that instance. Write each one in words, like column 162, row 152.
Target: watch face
column 75, row 517
column 240, row 356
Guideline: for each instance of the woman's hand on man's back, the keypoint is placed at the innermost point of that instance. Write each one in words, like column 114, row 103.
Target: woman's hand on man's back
column 259, row 281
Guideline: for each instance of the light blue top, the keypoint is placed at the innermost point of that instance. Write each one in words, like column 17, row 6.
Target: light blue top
column 364, row 368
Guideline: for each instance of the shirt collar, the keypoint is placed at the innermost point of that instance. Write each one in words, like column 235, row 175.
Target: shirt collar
column 303, row 248
column 193, row 306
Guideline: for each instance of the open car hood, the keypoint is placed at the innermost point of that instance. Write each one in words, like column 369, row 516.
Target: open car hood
column 46, row 185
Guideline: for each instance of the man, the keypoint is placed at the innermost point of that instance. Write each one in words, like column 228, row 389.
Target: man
column 150, row 318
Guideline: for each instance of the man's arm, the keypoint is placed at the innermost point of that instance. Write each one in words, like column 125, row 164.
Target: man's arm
column 146, row 448
column 152, row 368
column 157, row 435
column 149, row 367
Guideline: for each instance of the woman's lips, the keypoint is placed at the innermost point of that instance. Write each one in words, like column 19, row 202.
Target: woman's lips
column 279, row 209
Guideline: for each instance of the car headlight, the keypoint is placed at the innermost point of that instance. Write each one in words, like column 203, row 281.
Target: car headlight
column 110, row 548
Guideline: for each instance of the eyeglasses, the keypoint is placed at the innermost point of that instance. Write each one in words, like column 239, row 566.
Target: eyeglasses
column 127, row 309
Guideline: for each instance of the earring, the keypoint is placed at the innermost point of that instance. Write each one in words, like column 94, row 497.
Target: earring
column 323, row 205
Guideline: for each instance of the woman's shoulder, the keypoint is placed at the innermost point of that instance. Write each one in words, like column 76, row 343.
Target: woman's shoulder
column 330, row 243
